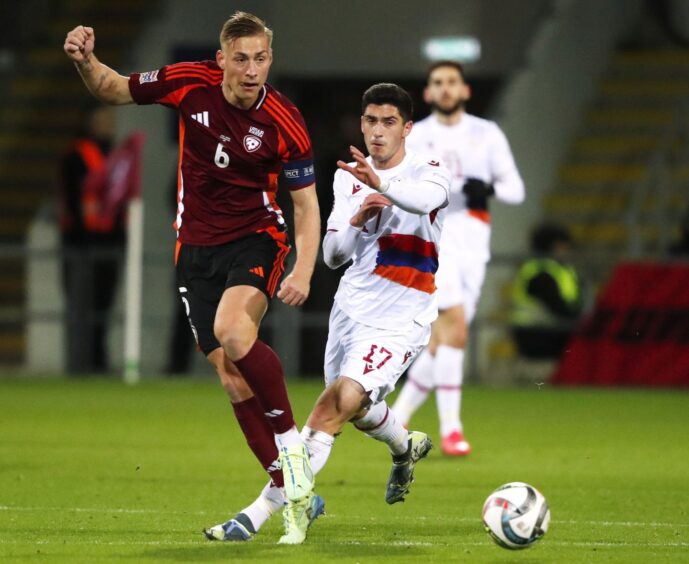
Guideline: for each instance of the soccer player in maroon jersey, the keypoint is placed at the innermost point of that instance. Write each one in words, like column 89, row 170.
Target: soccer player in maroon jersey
column 237, row 134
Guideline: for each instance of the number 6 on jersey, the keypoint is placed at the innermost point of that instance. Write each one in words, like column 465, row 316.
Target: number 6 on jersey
column 222, row 159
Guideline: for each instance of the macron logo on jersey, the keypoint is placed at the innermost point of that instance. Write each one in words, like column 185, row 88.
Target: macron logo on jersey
column 201, row 117
column 355, row 188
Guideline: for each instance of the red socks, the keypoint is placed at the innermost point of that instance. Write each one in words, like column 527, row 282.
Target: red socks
column 262, row 370
column 259, row 436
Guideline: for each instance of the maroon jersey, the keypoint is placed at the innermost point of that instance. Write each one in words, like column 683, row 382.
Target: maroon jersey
column 230, row 158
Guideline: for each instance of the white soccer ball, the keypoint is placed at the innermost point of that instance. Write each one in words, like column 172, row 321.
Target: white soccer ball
column 516, row 515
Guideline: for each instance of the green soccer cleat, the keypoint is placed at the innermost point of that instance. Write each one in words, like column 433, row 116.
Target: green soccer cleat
column 402, row 473
column 298, row 516
column 296, row 469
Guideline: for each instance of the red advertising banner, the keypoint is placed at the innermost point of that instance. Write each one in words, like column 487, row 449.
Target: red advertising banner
column 638, row 334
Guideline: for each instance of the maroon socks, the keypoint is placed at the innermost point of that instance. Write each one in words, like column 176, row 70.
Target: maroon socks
column 262, row 370
column 259, row 436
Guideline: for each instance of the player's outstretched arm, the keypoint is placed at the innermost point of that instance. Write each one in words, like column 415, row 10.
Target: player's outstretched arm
column 104, row 83
column 307, row 234
column 362, row 171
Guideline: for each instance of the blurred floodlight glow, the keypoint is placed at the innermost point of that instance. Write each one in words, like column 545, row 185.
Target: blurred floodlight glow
column 463, row 49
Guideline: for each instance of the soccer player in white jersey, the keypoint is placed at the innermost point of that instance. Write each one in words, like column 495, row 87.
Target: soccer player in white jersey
column 478, row 155
column 387, row 220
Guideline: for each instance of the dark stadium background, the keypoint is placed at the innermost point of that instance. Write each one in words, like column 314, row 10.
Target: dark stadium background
column 590, row 95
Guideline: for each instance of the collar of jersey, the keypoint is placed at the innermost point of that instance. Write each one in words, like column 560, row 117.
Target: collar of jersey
column 390, row 172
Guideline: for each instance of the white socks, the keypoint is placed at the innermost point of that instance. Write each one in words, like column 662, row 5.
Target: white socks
column 415, row 391
column 380, row 423
column 288, row 439
column 319, row 445
column 445, row 373
column 268, row 502
column 272, row 498
column 448, row 374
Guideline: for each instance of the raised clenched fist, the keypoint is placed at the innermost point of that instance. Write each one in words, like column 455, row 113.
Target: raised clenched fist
column 79, row 43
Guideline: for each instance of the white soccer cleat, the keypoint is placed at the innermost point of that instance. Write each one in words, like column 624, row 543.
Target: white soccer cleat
column 298, row 516
column 296, row 470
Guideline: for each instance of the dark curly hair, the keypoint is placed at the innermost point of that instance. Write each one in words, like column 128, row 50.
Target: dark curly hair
column 388, row 93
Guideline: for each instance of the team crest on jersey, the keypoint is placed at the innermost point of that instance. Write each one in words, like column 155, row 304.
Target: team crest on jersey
column 150, row 76
column 355, row 188
column 251, row 143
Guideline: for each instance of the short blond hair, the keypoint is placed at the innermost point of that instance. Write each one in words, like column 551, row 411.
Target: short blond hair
column 244, row 24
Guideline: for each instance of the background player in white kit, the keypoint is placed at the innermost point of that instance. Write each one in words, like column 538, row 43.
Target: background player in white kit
column 478, row 155
column 385, row 302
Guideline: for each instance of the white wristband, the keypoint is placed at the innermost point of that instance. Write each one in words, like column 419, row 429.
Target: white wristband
column 384, row 186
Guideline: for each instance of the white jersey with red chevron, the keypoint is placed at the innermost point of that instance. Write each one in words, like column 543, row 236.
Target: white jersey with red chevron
column 472, row 148
column 391, row 282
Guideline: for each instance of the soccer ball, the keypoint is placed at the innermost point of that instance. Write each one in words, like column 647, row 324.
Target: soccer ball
column 516, row 515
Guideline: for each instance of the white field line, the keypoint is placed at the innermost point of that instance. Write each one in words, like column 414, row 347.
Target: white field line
column 331, row 541
column 622, row 523
column 102, row 510
column 10, row 508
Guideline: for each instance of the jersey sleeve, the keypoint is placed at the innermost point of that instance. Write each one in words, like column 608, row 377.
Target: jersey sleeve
column 296, row 151
column 436, row 172
column 170, row 84
column 343, row 208
column 508, row 183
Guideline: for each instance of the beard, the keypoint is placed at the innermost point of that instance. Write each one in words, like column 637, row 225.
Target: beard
column 448, row 111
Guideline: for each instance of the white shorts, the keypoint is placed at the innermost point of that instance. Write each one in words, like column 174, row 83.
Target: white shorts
column 373, row 357
column 459, row 282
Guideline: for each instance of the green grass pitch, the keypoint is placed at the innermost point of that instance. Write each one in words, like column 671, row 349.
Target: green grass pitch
column 94, row 471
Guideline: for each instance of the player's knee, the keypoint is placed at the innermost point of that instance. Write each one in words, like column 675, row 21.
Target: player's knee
column 325, row 415
column 341, row 402
column 457, row 336
column 350, row 398
column 454, row 330
column 235, row 336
